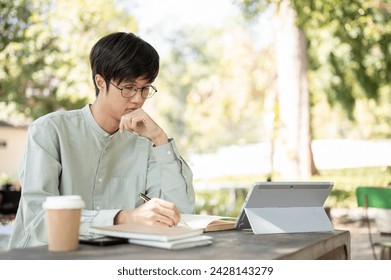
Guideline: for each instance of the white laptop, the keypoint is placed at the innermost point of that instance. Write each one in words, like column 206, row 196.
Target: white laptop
column 285, row 207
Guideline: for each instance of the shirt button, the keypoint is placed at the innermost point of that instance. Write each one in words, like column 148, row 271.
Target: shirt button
column 97, row 208
column 107, row 135
column 100, row 180
column 168, row 152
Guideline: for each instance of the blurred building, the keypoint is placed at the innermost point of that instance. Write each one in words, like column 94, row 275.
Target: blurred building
column 12, row 145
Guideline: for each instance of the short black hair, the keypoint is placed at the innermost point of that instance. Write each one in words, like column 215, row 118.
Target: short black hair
column 123, row 57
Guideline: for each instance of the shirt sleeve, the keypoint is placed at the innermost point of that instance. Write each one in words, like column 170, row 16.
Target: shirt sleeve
column 93, row 218
column 39, row 174
column 170, row 178
column 40, row 155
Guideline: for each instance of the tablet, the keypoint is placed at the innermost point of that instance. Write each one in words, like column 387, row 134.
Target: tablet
column 282, row 195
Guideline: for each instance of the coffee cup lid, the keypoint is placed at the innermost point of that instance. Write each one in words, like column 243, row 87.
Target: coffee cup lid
column 64, row 202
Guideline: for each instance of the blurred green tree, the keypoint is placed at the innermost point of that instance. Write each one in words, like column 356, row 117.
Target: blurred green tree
column 352, row 40
column 11, row 12
column 346, row 45
column 214, row 97
column 45, row 51
column 291, row 142
column 24, row 55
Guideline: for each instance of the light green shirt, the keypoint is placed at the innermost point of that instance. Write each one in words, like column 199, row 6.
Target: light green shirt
column 68, row 153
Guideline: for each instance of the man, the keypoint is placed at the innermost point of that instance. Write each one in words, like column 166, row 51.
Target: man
column 107, row 152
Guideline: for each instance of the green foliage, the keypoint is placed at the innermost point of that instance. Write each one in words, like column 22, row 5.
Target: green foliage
column 224, row 202
column 213, row 92
column 348, row 46
column 347, row 180
column 27, row 58
column 228, row 201
column 352, row 39
column 251, row 9
column 45, row 51
column 14, row 17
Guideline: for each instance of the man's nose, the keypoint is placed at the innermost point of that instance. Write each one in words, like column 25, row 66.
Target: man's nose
column 137, row 97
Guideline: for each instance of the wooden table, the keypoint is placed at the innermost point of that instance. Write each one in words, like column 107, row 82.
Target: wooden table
column 227, row 245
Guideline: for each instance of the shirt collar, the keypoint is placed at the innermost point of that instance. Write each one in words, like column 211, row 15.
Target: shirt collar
column 92, row 122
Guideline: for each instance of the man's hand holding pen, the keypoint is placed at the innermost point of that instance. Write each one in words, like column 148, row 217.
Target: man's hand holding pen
column 155, row 211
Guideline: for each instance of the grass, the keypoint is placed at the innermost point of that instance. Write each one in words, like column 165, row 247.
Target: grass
column 347, row 180
column 227, row 194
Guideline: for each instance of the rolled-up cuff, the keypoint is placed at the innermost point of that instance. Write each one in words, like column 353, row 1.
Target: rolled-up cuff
column 166, row 153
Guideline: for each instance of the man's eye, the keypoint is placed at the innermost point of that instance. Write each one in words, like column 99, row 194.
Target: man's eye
column 129, row 87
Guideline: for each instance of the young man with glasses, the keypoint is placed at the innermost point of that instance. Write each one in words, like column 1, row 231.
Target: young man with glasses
column 107, row 152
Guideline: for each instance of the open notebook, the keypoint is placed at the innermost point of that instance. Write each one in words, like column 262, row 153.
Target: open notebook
column 208, row 223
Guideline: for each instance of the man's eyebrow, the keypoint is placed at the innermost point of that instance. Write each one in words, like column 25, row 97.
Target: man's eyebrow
column 134, row 84
column 129, row 84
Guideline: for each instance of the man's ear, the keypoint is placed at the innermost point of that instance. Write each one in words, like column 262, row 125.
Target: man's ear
column 100, row 82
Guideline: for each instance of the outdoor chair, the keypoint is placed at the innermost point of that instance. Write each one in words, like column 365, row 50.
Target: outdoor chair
column 379, row 198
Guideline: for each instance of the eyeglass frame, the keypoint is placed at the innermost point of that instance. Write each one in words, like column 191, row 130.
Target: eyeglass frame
column 136, row 90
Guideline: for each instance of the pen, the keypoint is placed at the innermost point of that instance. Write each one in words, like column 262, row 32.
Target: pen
column 146, row 198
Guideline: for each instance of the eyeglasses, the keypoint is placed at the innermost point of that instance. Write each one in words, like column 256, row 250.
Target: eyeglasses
column 130, row 91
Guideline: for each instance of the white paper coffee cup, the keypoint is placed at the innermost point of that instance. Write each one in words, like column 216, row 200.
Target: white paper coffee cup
column 63, row 221
column 64, row 202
